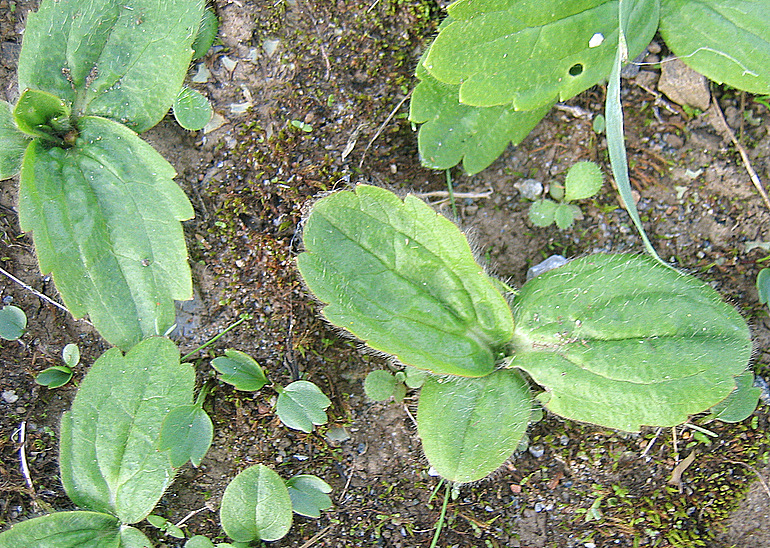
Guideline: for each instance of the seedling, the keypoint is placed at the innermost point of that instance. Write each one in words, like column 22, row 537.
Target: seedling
column 595, row 340
column 59, row 375
column 584, row 180
column 92, row 74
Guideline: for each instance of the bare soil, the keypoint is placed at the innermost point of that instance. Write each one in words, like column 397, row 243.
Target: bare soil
column 345, row 69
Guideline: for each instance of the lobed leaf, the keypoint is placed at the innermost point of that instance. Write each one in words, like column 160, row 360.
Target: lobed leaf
column 109, row 455
column 105, row 221
column 530, row 53
column 452, row 132
column 309, row 495
column 469, row 427
column 256, row 505
column 13, row 143
column 726, row 40
column 622, row 341
column 121, row 59
column 73, row 530
column 301, row 405
column 403, row 279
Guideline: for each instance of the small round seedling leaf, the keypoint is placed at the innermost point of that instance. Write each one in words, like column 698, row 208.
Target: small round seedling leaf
column 309, row 495
column 240, row 370
column 542, row 212
column 157, row 521
column 256, row 505
column 199, row 541
column 54, row 377
column 13, row 322
column 71, row 354
column 207, row 33
column 741, row 402
column 187, row 433
column 302, row 405
column 600, row 124
column 379, row 385
column 192, row 110
column 763, row 285
column 584, row 179
column 415, row 377
column 565, row 215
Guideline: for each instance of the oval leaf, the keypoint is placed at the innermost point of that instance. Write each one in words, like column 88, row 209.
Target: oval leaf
column 199, row 541
column 727, row 41
column 543, row 212
column 302, row 405
column 54, row 377
column 763, row 285
column 40, row 114
column 240, row 370
column 741, row 402
column 207, row 33
column 584, row 179
column 256, row 505
column 67, row 530
column 13, row 322
column 95, row 210
column 71, row 354
column 469, row 427
column 109, row 456
column 403, row 278
column 187, row 433
column 309, row 495
column 379, row 385
column 622, row 341
column 192, row 110
column 511, row 53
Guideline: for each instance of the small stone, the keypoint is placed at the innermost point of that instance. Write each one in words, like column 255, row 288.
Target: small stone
column 10, row 396
column 654, row 47
column 536, row 451
column 683, row 85
column 529, row 189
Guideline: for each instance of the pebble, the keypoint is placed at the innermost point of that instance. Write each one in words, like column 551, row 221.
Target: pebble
column 10, row 396
column 531, row 189
column 536, row 451
column 683, row 85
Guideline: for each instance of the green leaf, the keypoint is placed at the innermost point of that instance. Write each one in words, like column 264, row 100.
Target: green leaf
column 13, row 322
column 543, row 212
column 256, row 505
column 726, row 40
column 403, row 279
column 187, row 432
column 584, row 180
column 192, row 110
column 207, row 33
column 240, row 370
column 13, row 143
column 302, row 405
column 71, row 354
column 763, row 285
column 199, row 541
column 105, row 220
column 469, row 427
column 309, row 495
column 741, row 402
column 379, row 385
column 565, row 215
column 54, row 377
column 452, row 132
column 73, row 530
column 121, row 59
column 622, row 341
column 525, row 54
column 42, row 114
column 415, row 378
column 109, row 456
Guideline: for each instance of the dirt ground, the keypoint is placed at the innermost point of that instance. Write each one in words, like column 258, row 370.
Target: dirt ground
column 345, row 68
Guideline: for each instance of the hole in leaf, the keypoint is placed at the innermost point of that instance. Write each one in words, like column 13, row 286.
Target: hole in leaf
column 576, row 69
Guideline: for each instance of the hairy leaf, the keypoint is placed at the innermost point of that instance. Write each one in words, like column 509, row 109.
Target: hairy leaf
column 73, row 530
column 109, row 455
column 469, row 427
column 13, row 143
column 121, row 59
column 531, row 53
column 192, row 110
column 622, row 341
column 256, row 505
column 726, row 40
column 41, row 114
column 452, row 132
column 207, row 33
column 584, row 180
column 301, row 405
column 105, row 220
column 403, row 278
column 379, row 385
